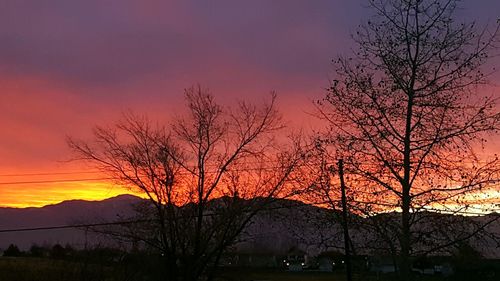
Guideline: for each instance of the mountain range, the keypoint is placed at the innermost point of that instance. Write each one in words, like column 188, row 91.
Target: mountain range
column 276, row 230
column 62, row 214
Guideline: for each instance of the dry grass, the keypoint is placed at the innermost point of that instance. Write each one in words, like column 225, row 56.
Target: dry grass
column 38, row 269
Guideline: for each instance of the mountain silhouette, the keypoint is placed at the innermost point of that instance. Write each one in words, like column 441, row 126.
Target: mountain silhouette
column 283, row 225
column 65, row 213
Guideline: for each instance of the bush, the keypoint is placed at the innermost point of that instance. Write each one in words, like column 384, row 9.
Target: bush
column 38, row 251
column 12, row 251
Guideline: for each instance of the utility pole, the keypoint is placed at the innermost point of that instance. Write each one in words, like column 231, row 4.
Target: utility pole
column 344, row 222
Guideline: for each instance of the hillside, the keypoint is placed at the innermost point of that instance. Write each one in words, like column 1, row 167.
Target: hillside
column 284, row 225
column 64, row 213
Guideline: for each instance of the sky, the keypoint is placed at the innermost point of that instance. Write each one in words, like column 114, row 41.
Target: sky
column 66, row 66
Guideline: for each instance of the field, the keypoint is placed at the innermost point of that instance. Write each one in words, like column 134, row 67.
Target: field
column 263, row 275
column 42, row 269
column 270, row 275
column 45, row 269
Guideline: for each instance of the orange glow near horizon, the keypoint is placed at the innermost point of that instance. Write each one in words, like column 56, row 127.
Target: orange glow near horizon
column 46, row 189
column 54, row 190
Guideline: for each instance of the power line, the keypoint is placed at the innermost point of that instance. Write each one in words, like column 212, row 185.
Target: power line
column 51, row 173
column 28, row 229
column 101, row 172
column 111, row 178
column 54, row 181
column 270, row 161
column 71, row 226
column 123, row 222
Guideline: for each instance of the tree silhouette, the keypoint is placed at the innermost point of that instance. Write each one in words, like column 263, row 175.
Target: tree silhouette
column 406, row 116
column 12, row 251
column 206, row 176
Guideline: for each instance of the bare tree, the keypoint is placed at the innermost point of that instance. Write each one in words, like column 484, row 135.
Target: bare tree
column 406, row 116
column 207, row 175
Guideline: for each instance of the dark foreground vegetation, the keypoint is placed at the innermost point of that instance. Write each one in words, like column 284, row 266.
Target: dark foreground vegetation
column 58, row 262
column 65, row 263
column 45, row 269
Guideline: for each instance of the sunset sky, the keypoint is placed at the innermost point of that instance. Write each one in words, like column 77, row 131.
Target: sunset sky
column 66, row 66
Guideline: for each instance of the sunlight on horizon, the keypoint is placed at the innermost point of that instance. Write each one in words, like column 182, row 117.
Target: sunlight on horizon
column 41, row 195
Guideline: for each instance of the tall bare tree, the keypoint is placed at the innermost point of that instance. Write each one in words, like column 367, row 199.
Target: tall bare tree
column 406, row 115
column 206, row 176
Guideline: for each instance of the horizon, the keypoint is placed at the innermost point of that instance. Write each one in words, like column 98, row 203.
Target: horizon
column 478, row 213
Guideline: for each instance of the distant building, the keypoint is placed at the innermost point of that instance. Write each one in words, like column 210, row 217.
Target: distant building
column 296, row 259
column 330, row 260
column 251, row 259
column 437, row 265
column 333, row 260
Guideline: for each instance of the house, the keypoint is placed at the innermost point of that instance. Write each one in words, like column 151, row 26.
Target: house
column 296, row 259
column 251, row 259
column 434, row 265
column 382, row 264
column 333, row 260
column 329, row 260
column 424, row 265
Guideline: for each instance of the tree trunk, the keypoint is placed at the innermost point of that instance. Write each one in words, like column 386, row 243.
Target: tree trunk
column 405, row 239
column 405, row 264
